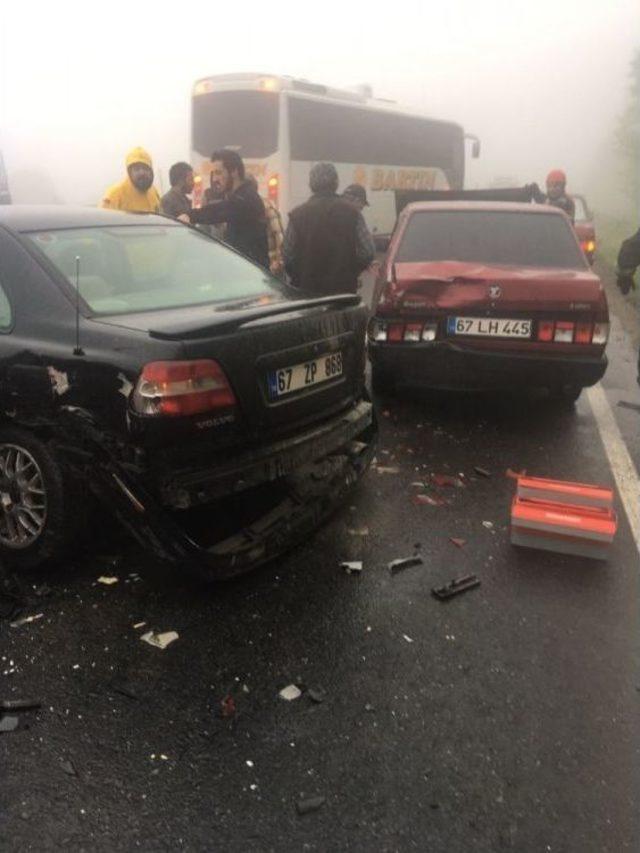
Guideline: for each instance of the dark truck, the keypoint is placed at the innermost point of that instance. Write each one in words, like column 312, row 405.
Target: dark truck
column 219, row 416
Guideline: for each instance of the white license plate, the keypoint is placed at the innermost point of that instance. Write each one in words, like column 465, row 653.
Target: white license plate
column 286, row 380
column 489, row 327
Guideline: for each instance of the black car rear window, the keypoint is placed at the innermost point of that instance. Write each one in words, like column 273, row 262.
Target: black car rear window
column 505, row 238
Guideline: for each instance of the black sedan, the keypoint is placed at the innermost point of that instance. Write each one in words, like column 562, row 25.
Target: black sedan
column 220, row 416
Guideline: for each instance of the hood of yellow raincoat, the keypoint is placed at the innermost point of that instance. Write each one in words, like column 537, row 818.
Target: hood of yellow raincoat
column 138, row 155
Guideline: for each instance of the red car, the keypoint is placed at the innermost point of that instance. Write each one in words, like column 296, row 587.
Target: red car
column 585, row 228
column 482, row 295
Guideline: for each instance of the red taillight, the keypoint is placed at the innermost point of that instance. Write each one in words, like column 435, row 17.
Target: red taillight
column 272, row 189
column 177, row 388
column 395, row 332
column 583, row 333
column 564, row 332
column 545, row 330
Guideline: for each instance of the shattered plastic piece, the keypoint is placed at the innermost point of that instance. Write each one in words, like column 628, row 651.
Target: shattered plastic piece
column 358, row 531
column 455, row 587
column 227, row 707
column 59, row 381
column 8, row 724
column 68, row 768
column 249, row 763
column 459, row 543
column 387, row 469
column 26, row 620
column 316, row 695
column 290, row 693
column 429, row 500
column 312, row 804
column 447, row 480
column 160, row 641
column 20, row 705
column 482, row 472
column 352, row 568
column 408, row 639
column 107, row 581
column 401, row 563
column 515, row 475
column 488, row 525
column 139, row 625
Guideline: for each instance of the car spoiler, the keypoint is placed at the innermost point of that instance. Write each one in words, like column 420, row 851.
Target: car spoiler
column 528, row 194
column 227, row 321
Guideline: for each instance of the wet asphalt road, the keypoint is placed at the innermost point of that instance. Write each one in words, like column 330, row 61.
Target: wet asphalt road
column 506, row 719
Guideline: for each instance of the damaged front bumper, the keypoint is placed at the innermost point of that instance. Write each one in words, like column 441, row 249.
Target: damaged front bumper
column 313, row 475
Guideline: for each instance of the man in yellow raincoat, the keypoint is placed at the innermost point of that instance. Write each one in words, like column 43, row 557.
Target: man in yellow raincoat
column 136, row 192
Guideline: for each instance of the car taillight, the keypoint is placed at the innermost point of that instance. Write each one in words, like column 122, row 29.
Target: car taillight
column 176, row 388
column 583, row 333
column 395, row 332
column 377, row 330
column 600, row 333
column 588, row 246
column 545, row 330
column 564, row 332
column 412, row 332
column 430, row 332
column 272, row 189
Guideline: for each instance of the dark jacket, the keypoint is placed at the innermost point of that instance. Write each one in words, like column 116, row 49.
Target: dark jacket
column 629, row 254
column 175, row 203
column 327, row 245
column 246, row 222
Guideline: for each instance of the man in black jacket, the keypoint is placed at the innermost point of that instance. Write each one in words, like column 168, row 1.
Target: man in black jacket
column 327, row 244
column 628, row 263
column 242, row 209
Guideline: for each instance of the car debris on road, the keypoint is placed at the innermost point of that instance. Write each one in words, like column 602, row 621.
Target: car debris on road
column 290, row 693
column 352, row 568
column 312, row 804
column 160, row 641
column 455, row 587
column 26, row 620
column 402, row 563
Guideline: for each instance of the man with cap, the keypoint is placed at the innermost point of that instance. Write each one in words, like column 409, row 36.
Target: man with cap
column 327, row 243
column 136, row 192
column 557, row 193
column 357, row 196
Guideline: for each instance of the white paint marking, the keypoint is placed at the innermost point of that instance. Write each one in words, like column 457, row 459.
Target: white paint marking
column 622, row 467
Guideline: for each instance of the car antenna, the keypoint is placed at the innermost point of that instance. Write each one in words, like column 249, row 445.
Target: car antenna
column 78, row 349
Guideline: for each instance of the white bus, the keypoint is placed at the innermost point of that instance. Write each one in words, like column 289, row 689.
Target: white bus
column 282, row 126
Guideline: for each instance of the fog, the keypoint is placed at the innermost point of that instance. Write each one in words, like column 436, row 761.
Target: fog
column 540, row 83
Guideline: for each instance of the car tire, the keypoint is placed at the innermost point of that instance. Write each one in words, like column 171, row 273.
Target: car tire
column 566, row 394
column 381, row 381
column 41, row 509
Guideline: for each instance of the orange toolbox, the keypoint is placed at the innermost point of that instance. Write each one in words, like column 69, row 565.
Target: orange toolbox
column 569, row 518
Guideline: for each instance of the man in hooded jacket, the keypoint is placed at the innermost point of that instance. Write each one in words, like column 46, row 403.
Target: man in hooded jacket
column 136, row 192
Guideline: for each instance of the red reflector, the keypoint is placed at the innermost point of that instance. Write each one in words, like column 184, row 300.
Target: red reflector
column 583, row 333
column 395, row 332
column 182, row 388
column 545, row 330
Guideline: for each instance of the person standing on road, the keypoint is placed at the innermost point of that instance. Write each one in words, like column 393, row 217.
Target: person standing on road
column 628, row 263
column 136, row 192
column 275, row 232
column 242, row 209
column 557, row 193
column 357, row 196
column 176, row 202
column 327, row 243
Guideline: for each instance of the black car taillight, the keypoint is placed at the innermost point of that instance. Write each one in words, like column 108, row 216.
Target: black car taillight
column 176, row 388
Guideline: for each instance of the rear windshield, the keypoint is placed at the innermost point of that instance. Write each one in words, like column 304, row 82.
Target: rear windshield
column 147, row 267
column 244, row 121
column 490, row 237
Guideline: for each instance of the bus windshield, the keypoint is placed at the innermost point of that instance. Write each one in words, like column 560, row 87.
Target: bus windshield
column 244, row 121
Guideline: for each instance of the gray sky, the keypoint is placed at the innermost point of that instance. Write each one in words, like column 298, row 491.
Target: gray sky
column 540, row 82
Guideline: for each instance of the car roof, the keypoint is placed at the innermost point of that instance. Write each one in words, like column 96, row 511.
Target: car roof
column 44, row 217
column 486, row 206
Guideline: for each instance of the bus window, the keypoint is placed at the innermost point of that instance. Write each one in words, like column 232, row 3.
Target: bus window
column 243, row 120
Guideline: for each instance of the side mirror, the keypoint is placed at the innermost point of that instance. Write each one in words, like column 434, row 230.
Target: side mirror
column 382, row 242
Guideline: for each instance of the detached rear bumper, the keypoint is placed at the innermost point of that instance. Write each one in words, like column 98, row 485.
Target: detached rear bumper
column 447, row 366
column 305, row 497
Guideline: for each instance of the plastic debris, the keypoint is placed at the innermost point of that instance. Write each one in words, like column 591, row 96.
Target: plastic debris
column 488, row 525
column 515, row 475
column 139, row 625
column 160, row 641
column 8, row 724
column 358, row 531
column 290, row 693
column 455, row 587
column 459, row 543
column 249, row 763
column 481, row 472
column 108, row 580
column 227, row 707
column 428, row 500
column 387, row 469
column 26, row 620
column 447, row 480
column 20, row 705
column 68, row 768
column 402, row 563
column 316, row 695
column 352, row 568
column 312, row 804
column 408, row 639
